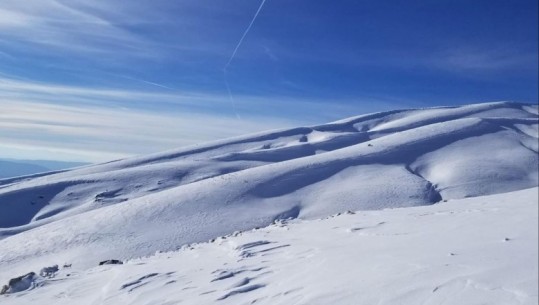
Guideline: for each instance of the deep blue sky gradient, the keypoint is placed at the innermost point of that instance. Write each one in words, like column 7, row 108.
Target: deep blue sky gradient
column 348, row 57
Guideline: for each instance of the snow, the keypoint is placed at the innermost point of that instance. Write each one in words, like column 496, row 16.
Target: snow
column 480, row 250
column 406, row 160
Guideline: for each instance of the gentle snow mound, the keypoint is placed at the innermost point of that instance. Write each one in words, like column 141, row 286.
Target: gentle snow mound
column 479, row 250
column 137, row 206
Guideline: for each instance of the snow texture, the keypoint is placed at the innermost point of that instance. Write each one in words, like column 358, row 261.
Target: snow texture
column 480, row 250
column 161, row 202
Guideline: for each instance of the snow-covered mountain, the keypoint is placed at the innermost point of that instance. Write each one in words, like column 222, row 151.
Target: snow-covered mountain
column 137, row 206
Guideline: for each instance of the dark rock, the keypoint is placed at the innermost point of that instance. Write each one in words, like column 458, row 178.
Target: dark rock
column 48, row 271
column 111, row 262
column 20, row 283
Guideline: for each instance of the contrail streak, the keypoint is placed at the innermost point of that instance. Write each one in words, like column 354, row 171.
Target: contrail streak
column 234, row 54
column 245, row 34
column 230, row 97
column 143, row 81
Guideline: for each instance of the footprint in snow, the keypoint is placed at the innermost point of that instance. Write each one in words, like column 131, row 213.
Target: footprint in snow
column 138, row 282
column 364, row 228
column 241, row 290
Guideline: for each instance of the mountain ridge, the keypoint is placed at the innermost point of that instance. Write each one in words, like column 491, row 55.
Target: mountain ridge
column 165, row 200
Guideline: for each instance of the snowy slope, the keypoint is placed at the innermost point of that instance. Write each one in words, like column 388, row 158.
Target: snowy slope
column 137, row 206
column 479, row 250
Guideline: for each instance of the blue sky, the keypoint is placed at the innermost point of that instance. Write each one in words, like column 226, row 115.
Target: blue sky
column 97, row 80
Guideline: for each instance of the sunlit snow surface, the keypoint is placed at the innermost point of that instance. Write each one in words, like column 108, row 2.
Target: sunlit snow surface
column 479, row 250
column 406, row 158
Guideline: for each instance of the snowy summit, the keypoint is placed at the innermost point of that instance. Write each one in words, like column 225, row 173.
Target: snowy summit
column 419, row 206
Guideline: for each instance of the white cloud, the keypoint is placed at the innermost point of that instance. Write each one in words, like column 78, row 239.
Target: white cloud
column 100, row 27
column 79, row 27
column 98, row 133
column 52, row 121
column 481, row 60
column 40, row 120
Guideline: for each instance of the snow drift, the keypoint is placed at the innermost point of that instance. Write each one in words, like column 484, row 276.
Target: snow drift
column 480, row 250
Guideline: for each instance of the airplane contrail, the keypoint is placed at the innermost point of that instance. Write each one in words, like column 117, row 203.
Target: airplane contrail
column 230, row 97
column 143, row 81
column 234, row 54
column 245, row 34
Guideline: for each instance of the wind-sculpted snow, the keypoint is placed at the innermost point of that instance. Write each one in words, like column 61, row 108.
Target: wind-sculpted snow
column 479, row 250
column 136, row 206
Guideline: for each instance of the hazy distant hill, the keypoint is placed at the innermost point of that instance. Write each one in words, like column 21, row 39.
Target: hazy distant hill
column 14, row 168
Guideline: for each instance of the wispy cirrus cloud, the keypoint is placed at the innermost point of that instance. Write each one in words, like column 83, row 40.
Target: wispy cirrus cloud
column 99, row 68
column 484, row 60
column 99, row 134
column 98, row 124
column 95, row 27
column 463, row 58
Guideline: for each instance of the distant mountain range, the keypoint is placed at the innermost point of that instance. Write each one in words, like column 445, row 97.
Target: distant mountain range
column 15, row 168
